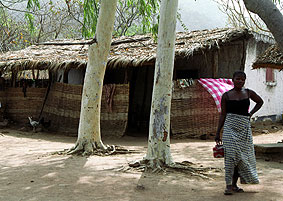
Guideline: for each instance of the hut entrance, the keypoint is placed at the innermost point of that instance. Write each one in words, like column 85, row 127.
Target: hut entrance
column 141, row 84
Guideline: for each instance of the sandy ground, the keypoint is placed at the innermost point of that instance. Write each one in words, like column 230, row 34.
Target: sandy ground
column 28, row 171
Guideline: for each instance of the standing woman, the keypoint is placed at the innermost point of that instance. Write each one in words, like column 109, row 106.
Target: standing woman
column 239, row 156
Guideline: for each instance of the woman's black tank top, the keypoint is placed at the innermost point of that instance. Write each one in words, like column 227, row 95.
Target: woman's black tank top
column 240, row 107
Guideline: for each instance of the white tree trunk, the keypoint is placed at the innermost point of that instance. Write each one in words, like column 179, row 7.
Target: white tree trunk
column 89, row 136
column 271, row 16
column 158, row 152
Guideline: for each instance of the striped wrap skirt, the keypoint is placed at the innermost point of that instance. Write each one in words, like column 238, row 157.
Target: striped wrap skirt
column 239, row 149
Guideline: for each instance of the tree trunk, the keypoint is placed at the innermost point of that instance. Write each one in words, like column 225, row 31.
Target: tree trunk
column 89, row 137
column 271, row 16
column 158, row 152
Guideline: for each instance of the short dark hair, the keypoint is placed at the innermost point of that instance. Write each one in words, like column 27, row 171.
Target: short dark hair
column 239, row 72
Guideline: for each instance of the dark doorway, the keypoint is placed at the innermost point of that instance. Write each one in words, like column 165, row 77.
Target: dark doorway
column 186, row 74
column 141, row 84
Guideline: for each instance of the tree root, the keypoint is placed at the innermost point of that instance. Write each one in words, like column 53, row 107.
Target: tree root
column 80, row 151
column 180, row 167
column 183, row 167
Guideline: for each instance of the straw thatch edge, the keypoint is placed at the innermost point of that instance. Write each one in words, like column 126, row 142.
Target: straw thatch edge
column 271, row 58
column 136, row 51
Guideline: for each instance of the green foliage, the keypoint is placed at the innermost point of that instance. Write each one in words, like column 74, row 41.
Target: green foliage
column 91, row 11
column 148, row 17
column 181, row 21
column 138, row 16
column 30, row 20
column 31, row 5
column 149, row 12
column 134, row 29
column 145, row 20
column 13, row 34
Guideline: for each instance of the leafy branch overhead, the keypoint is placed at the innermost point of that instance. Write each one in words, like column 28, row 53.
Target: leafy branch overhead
column 41, row 21
column 31, row 5
column 133, row 16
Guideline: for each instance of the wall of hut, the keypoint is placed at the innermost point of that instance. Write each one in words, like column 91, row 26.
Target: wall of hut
column 60, row 76
column 193, row 112
column 18, row 107
column 62, row 107
column 215, row 63
column 64, row 103
column 271, row 92
column 76, row 76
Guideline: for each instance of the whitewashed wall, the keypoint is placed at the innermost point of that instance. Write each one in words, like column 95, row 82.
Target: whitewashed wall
column 272, row 95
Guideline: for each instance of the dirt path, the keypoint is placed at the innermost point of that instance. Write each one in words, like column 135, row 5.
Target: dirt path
column 29, row 172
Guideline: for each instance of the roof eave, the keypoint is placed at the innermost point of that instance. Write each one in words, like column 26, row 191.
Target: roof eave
column 267, row 65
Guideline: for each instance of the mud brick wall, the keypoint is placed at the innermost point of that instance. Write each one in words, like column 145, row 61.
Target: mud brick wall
column 17, row 107
column 64, row 103
column 193, row 112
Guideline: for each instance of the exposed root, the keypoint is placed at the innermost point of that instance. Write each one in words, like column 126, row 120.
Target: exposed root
column 158, row 170
column 180, row 167
column 76, row 149
column 183, row 167
column 86, row 151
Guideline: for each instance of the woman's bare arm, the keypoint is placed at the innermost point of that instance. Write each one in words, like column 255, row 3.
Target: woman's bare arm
column 258, row 100
column 221, row 118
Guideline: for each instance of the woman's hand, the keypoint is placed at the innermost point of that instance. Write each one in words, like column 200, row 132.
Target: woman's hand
column 218, row 140
column 250, row 115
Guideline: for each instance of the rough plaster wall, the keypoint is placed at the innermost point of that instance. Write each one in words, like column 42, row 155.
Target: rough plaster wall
column 76, row 76
column 272, row 96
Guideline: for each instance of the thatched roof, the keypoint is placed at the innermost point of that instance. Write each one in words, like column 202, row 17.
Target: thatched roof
column 271, row 58
column 125, row 51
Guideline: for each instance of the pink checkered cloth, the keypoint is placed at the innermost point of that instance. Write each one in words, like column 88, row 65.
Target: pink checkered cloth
column 216, row 87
